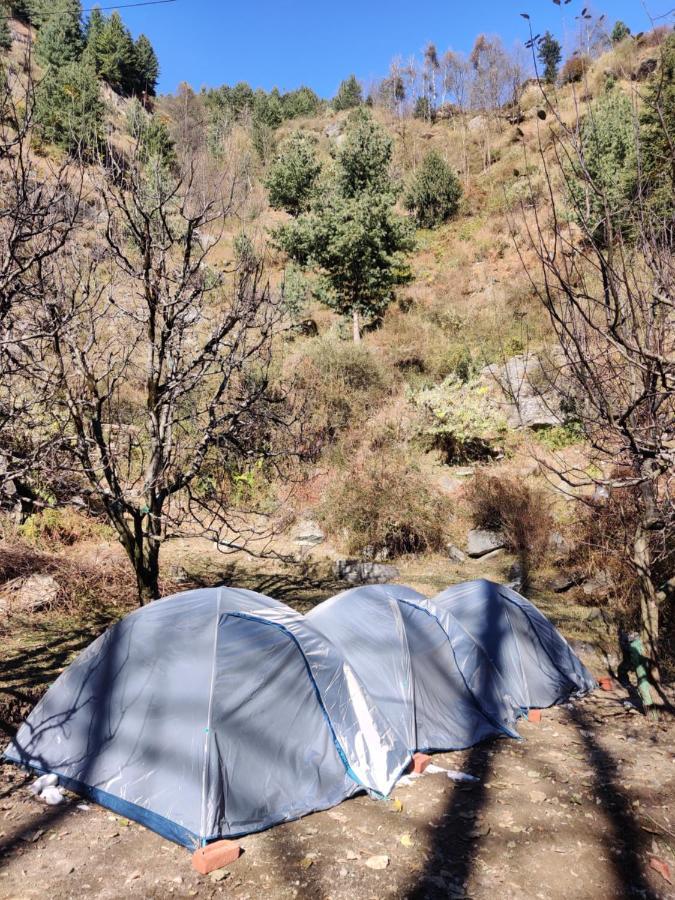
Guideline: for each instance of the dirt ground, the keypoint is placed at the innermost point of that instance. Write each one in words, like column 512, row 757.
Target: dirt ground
column 582, row 807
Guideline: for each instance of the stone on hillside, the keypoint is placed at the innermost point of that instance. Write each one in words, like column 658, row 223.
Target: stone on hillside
column 563, row 583
column 480, row 541
column 355, row 571
column 528, row 400
column 30, row 594
column 455, row 554
column 308, row 534
column 645, row 69
column 598, row 584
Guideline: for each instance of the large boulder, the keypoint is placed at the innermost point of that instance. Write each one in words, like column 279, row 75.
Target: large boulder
column 27, row 595
column 355, row 571
column 527, row 399
column 308, row 534
column 480, row 542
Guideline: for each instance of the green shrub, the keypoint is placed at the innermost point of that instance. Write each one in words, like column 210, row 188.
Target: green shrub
column 62, row 527
column 463, row 425
column 434, row 193
column 384, row 506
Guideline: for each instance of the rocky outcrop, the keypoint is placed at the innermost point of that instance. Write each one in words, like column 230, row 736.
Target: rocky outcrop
column 355, row 571
column 480, row 542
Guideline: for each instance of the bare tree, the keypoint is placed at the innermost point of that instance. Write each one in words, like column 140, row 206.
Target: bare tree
column 166, row 400
column 456, row 79
column 39, row 207
column 491, row 83
column 609, row 290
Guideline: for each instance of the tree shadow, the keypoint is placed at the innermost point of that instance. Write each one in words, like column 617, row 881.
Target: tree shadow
column 455, row 843
column 625, row 841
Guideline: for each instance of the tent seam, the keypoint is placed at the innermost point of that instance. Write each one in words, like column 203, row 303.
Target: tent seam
column 207, row 736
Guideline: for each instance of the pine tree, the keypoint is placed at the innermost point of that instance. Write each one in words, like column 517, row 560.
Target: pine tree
column 114, row 54
column 59, row 40
column 352, row 235
column 433, row 195
column 549, row 54
column 349, row 94
column 95, row 27
column 293, row 175
column 146, row 67
column 620, row 32
column 5, row 33
column 68, row 108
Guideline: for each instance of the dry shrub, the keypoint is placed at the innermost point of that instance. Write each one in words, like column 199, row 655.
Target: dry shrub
column 385, row 507
column 605, row 545
column 106, row 580
column 342, row 382
column 522, row 514
column 575, row 69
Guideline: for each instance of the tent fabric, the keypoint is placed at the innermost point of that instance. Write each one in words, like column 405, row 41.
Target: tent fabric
column 434, row 682
column 534, row 659
column 210, row 714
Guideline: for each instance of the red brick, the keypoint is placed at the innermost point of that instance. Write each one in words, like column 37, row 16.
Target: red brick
column 419, row 763
column 215, row 856
column 534, row 715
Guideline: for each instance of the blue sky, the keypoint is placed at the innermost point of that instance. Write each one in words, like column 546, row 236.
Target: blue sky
column 286, row 44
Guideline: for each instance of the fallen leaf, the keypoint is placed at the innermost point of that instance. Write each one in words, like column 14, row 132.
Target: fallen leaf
column 306, row 863
column 351, row 855
column 662, row 867
column 396, row 805
column 378, row 862
column 406, row 840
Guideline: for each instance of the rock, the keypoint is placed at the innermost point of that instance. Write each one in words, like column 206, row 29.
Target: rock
column 178, row 574
column 455, row 554
column 562, row 583
column 463, row 471
column 516, row 571
column 528, row 400
column 645, row 69
column 450, row 485
column 307, row 328
column 557, row 542
column 355, row 571
column 378, row 862
column 30, row 594
column 601, row 492
column 598, row 584
column 479, row 542
column 308, row 534
column 477, row 123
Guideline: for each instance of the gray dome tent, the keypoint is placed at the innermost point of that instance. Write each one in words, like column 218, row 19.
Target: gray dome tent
column 534, row 659
column 430, row 678
column 211, row 714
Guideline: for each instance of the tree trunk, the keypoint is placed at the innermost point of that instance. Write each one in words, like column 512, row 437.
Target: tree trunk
column 145, row 560
column 649, row 610
column 356, row 327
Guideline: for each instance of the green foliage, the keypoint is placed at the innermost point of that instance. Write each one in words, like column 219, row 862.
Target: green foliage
column 603, row 194
column 463, row 423
column 68, row 108
column 59, row 40
column 351, row 235
column 385, row 506
column 302, row 102
column 5, row 32
column 349, row 94
column 129, row 68
column 657, row 137
column 558, row 437
column 434, row 192
column 620, row 32
column 364, row 158
column 146, row 67
column 62, row 527
column 423, row 110
column 151, row 135
column 549, row 54
column 293, row 174
column 295, row 291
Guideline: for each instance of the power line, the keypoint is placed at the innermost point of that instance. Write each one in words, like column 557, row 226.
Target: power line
column 117, row 6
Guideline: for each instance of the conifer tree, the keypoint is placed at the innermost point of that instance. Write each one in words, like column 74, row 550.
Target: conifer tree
column 5, row 33
column 95, row 26
column 69, row 110
column 59, row 40
column 293, row 175
column 114, row 54
column 550, row 55
column 146, row 67
column 352, row 236
column 349, row 94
